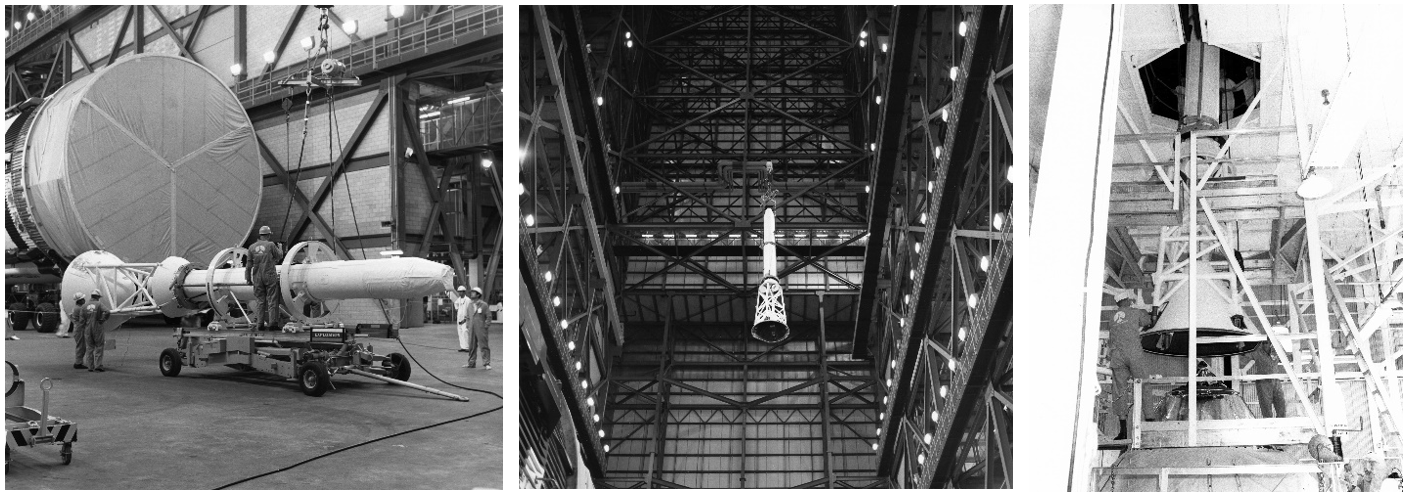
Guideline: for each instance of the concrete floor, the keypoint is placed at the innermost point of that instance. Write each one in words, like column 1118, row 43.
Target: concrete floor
column 215, row 425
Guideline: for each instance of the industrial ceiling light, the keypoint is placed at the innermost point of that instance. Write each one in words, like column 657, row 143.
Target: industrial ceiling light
column 868, row 188
column 944, row 114
column 270, row 56
column 1314, row 186
column 917, row 247
column 548, row 276
column 18, row 25
column 973, row 300
column 577, row 365
column 486, row 162
column 863, row 43
column 522, row 190
column 892, row 361
column 928, row 437
column 600, row 101
column 396, row 10
column 875, row 446
column 923, row 217
column 878, row 431
column 572, row 346
column 902, row 322
column 236, row 69
column 921, row 458
column 912, row 274
column 29, row 15
column 606, row 448
column 951, row 364
column 863, row 34
column 943, row 391
column 937, row 151
column 563, row 323
column 601, row 434
column 998, row 221
column 888, row 382
column 44, row 8
column 930, row 188
column 954, row 72
column 884, row 47
column 963, row 333
column 591, row 402
column 885, row 400
column 878, row 100
column 596, row 418
column 629, row 43
column 306, row 43
column 557, row 301
column 871, row 145
column 616, row 190
column 584, row 384
column 963, row 28
column 883, row 416
column 934, row 416
column 907, row 302
column 349, row 26
column 628, row 35
column 528, row 220
column 983, row 263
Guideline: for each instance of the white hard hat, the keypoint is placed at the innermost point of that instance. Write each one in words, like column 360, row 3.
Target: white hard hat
column 1124, row 294
column 96, row 293
column 78, row 296
column 461, row 288
column 477, row 290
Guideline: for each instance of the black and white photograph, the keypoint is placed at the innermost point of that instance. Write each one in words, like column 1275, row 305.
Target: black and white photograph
column 1216, row 247
column 254, row 247
column 765, row 247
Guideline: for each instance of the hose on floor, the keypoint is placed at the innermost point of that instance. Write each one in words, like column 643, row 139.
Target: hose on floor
column 378, row 439
column 437, row 378
column 354, row 446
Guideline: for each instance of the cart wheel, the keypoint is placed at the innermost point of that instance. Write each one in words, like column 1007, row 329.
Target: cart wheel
column 313, row 378
column 170, row 362
column 67, row 453
column 398, row 365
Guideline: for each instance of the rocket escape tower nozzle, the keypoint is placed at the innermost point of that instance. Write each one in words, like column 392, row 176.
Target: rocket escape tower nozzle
column 770, row 320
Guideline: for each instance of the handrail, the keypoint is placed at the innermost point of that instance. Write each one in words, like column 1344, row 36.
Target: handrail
column 409, row 40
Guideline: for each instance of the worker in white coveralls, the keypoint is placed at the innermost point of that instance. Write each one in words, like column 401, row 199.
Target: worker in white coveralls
column 462, row 305
column 462, row 314
column 262, row 272
column 1126, row 355
column 478, row 319
column 95, row 314
column 79, row 320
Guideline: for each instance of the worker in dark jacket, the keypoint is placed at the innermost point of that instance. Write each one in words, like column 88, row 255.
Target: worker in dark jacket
column 95, row 314
column 262, row 272
column 79, row 320
column 1271, row 402
column 1126, row 354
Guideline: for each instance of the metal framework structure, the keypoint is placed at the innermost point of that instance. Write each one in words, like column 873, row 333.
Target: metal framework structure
column 1317, row 276
column 645, row 133
column 433, row 76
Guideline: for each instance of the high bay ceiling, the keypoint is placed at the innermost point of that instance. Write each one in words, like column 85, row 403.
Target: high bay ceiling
column 641, row 240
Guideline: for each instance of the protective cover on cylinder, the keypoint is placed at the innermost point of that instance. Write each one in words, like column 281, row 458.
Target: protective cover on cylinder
column 146, row 158
column 1220, row 313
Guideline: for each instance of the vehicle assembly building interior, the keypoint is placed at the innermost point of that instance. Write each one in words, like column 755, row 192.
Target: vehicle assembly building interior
column 294, row 192
column 765, row 247
column 1223, row 187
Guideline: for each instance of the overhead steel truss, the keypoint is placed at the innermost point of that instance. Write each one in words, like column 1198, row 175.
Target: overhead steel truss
column 646, row 135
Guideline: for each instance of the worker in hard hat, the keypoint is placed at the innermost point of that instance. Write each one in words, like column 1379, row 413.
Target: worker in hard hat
column 262, row 272
column 479, row 328
column 1126, row 355
column 462, row 326
column 95, row 314
column 78, row 318
column 1270, row 399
